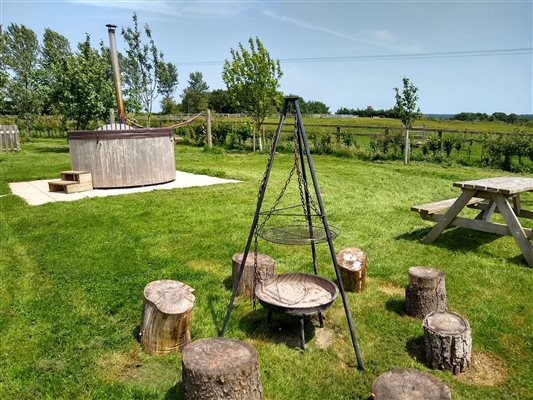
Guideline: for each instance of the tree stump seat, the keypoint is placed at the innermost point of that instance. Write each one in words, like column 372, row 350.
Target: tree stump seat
column 352, row 263
column 220, row 368
column 409, row 384
column 447, row 341
column 167, row 311
column 265, row 269
column 425, row 293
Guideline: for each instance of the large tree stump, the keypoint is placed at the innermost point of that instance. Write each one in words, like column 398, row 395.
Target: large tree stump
column 167, row 311
column 220, row 368
column 265, row 269
column 425, row 293
column 409, row 384
column 352, row 263
column 447, row 341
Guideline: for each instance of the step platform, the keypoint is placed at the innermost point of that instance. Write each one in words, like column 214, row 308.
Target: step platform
column 72, row 182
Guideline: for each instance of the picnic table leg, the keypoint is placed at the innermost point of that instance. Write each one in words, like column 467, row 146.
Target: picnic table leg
column 514, row 226
column 485, row 215
column 516, row 204
column 449, row 216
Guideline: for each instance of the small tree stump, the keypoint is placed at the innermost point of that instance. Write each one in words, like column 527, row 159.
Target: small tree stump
column 220, row 368
column 409, row 384
column 167, row 311
column 265, row 269
column 352, row 263
column 447, row 341
column 425, row 293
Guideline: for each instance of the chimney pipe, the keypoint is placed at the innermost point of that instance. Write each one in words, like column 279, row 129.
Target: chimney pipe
column 116, row 72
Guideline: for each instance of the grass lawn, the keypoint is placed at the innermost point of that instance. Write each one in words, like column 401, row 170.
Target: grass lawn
column 72, row 275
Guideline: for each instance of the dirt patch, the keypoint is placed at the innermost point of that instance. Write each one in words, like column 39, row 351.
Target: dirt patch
column 487, row 369
column 391, row 289
column 324, row 338
column 137, row 369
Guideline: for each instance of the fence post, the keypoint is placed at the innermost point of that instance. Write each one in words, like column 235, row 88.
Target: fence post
column 338, row 134
column 209, row 137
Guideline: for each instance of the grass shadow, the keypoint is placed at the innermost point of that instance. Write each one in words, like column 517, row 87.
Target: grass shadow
column 396, row 305
column 175, row 392
column 455, row 239
column 62, row 149
column 135, row 333
column 415, row 348
column 282, row 329
column 228, row 283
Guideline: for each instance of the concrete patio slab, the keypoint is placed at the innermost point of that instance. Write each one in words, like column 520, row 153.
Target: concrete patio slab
column 36, row 192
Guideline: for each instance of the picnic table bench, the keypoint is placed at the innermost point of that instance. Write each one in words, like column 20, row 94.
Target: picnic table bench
column 489, row 196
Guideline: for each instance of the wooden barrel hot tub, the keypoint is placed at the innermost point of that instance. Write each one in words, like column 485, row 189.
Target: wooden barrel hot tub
column 124, row 158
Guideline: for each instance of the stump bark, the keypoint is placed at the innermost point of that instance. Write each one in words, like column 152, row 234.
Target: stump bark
column 425, row 293
column 409, row 384
column 220, row 368
column 265, row 269
column 352, row 263
column 447, row 342
column 167, row 311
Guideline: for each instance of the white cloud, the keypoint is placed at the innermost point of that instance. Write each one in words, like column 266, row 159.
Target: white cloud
column 156, row 7
column 170, row 8
column 380, row 38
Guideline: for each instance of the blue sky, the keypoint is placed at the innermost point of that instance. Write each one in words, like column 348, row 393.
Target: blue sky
column 197, row 36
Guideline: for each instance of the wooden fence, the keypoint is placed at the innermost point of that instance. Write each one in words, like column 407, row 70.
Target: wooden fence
column 9, row 138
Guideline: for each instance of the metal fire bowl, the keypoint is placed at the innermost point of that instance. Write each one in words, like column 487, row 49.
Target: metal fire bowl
column 296, row 293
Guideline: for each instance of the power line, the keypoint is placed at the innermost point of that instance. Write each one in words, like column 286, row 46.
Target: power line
column 385, row 57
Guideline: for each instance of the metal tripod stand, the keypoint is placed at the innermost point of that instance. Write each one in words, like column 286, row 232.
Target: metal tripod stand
column 305, row 158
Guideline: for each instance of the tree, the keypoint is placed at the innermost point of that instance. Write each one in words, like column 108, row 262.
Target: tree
column 21, row 57
column 167, row 80
column 195, row 96
column 252, row 78
column 221, row 101
column 89, row 91
column 407, row 111
column 314, row 107
column 55, row 54
column 141, row 66
column 3, row 72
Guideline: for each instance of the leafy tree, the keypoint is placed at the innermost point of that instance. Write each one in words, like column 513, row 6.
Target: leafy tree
column 407, row 111
column 169, row 106
column 55, row 54
column 221, row 101
column 252, row 78
column 313, row 107
column 3, row 72
column 195, row 96
column 89, row 91
column 167, row 80
column 21, row 57
column 141, row 66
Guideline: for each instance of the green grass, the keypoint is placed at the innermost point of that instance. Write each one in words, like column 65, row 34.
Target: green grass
column 72, row 276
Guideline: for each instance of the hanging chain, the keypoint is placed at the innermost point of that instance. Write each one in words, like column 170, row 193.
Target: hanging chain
column 302, row 183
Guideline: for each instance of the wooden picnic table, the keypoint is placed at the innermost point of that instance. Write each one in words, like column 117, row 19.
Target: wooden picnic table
column 490, row 195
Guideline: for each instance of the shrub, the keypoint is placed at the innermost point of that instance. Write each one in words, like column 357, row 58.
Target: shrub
column 219, row 133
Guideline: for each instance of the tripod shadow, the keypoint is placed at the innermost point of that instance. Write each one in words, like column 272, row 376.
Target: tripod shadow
column 282, row 329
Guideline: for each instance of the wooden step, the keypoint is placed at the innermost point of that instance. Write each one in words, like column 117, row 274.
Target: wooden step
column 438, row 206
column 69, row 186
column 78, row 176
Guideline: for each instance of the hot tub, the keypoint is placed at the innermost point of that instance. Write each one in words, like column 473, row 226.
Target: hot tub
column 125, row 157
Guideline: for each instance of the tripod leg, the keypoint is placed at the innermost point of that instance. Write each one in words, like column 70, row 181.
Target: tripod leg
column 328, row 236
column 302, row 333
column 261, row 196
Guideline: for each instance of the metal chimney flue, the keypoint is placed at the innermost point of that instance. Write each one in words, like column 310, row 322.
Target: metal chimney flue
column 116, row 72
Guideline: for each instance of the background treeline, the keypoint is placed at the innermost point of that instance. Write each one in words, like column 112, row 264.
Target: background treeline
column 512, row 118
